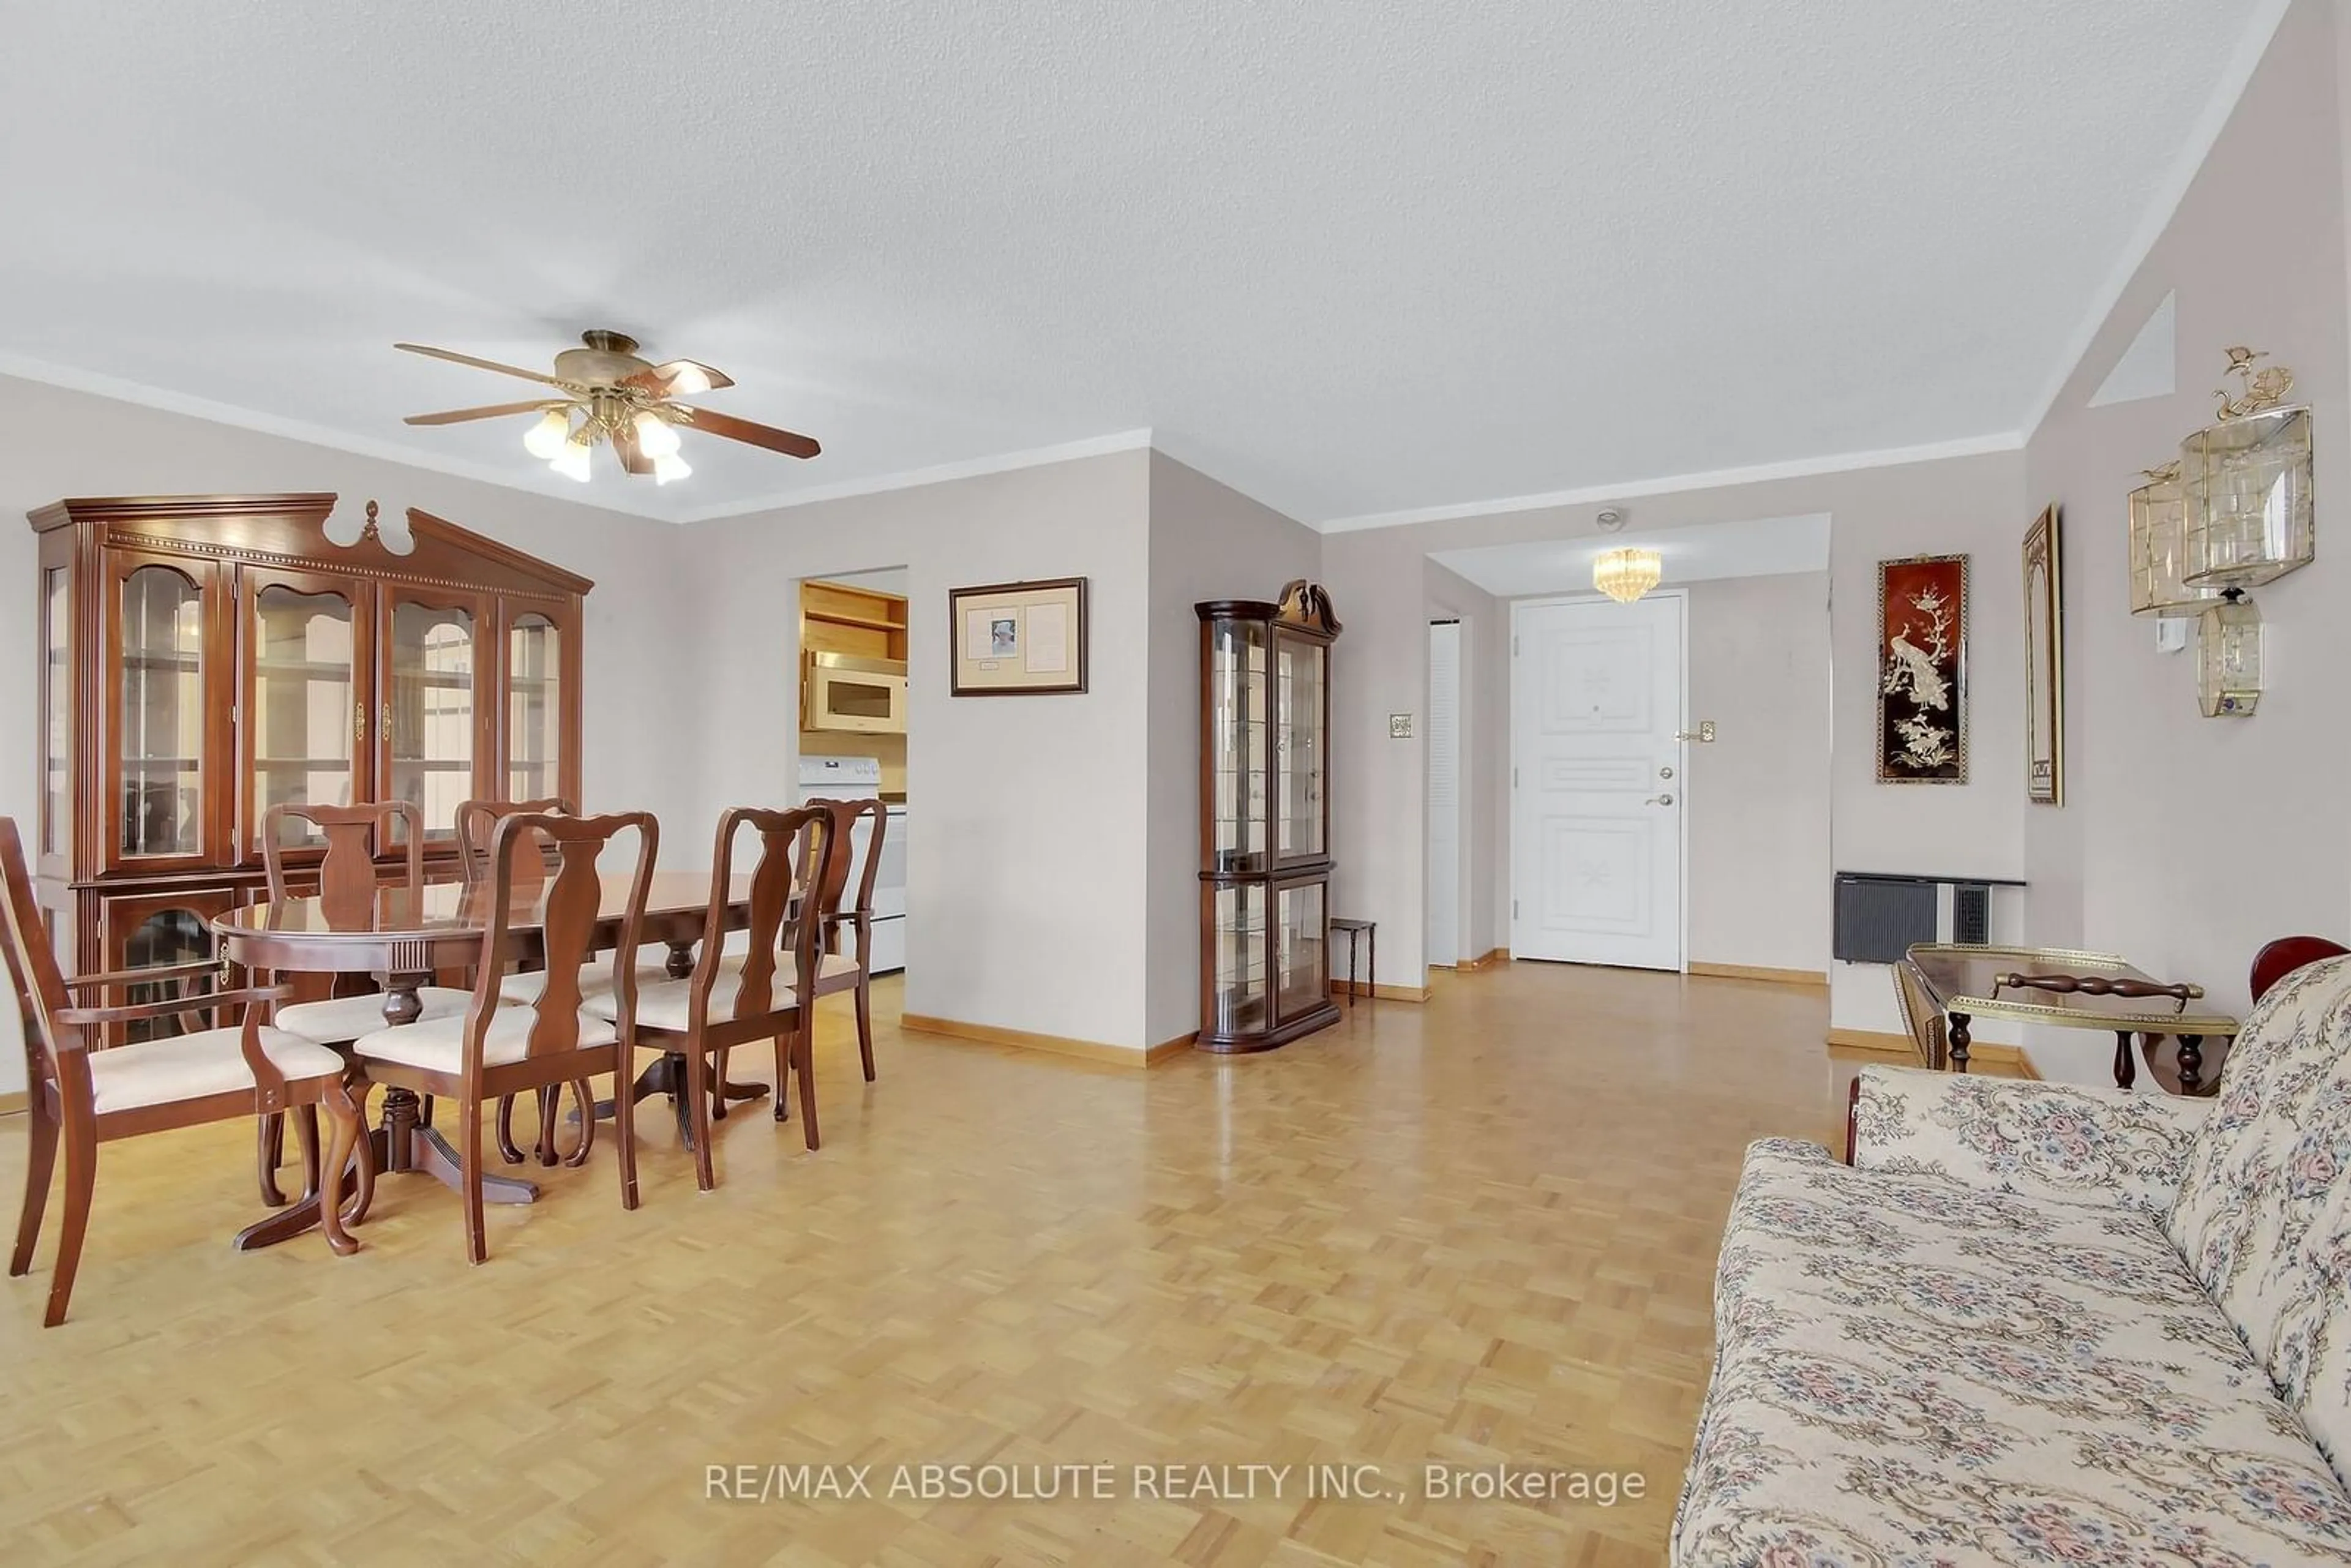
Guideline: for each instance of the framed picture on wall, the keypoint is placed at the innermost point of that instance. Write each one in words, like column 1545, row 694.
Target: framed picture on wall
column 2044, row 664
column 1922, row 670
column 1019, row 639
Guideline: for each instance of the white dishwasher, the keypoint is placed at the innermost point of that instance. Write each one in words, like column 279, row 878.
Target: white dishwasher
column 859, row 779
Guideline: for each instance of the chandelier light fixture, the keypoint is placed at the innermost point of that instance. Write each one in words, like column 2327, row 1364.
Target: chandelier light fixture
column 1624, row 575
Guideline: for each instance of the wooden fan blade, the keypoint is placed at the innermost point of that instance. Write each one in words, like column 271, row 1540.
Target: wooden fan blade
column 457, row 359
column 626, row 447
column 784, row 441
column 681, row 378
column 460, row 415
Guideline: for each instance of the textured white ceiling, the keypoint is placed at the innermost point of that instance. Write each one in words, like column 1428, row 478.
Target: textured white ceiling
column 1353, row 258
column 1704, row 553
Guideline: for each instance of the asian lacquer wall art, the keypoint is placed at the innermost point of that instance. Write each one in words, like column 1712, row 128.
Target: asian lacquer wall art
column 1922, row 670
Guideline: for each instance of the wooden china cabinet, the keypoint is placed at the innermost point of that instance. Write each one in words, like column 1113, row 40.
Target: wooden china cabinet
column 206, row 657
column 1265, row 818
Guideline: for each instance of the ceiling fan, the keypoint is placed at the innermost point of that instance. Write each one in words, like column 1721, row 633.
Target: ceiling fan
column 609, row 393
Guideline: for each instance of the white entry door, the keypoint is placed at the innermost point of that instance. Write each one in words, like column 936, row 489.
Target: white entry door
column 1596, row 781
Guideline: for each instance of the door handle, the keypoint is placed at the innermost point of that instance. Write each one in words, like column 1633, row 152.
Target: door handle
column 1658, row 800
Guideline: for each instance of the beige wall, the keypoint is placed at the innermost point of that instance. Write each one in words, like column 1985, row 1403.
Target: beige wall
column 1028, row 860
column 55, row 444
column 2186, row 842
column 1970, row 506
column 1757, row 797
column 1207, row 541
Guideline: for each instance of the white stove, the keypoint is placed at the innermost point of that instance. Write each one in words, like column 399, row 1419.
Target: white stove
column 859, row 779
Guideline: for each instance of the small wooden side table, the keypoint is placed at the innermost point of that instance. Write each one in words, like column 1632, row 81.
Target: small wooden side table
column 1350, row 930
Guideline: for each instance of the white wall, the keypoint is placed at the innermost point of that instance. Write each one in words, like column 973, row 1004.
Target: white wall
column 1027, row 859
column 2186, row 842
column 1757, row 797
column 1207, row 541
column 1485, row 760
column 1966, row 505
column 55, row 444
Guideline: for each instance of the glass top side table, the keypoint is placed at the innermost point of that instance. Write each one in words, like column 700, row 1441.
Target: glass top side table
column 2065, row 988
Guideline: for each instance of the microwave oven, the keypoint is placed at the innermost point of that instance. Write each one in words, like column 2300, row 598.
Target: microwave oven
column 847, row 692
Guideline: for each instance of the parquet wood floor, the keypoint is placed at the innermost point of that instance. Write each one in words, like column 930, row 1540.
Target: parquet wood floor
column 1479, row 1231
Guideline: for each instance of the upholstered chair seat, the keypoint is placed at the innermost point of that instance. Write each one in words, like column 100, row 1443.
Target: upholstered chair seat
column 594, row 984
column 664, row 1003
column 339, row 1019
column 438, row 1045
column 191, row 1066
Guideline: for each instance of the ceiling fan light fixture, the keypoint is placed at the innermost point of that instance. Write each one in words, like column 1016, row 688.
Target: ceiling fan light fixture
column 572, row 461
column 1624, row 575
column 546, row 439
column 657, row 437
column 669, row 466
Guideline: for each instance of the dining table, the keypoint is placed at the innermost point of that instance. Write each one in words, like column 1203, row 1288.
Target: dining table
column 405, row 936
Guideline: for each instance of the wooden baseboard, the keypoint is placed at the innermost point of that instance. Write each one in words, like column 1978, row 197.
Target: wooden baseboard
column 15, row 1104
column 1379, row 993
column 2010, row 1057
column 1816, row 978
column 1499, row 956
column 1050, row 1044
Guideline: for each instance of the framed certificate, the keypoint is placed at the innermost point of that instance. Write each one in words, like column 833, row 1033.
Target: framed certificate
column 1013, row 639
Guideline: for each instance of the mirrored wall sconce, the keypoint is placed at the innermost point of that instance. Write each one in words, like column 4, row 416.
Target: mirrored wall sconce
column 2232, row 513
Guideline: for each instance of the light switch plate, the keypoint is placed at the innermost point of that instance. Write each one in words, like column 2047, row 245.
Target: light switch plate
column 1399, row 726
column 2172, row 634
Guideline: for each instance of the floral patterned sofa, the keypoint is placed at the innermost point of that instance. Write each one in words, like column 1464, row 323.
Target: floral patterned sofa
column 2036, row 1323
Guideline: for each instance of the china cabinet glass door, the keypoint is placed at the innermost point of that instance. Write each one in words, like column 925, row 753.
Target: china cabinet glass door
column 535, row 697
column 1303, row 982
column 1298, row 746
column 433, row 710
column 1237, row 739
column 1239, row 1003
column 305, row 722
column 155, row 930
column 57, row 710
column 160, row 667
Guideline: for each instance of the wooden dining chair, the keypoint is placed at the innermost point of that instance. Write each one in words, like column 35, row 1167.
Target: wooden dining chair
column 766, row 992
column 499, row 1047
column 348, row 888
column 838, row 971
column 83, row 1093
column 476, row 820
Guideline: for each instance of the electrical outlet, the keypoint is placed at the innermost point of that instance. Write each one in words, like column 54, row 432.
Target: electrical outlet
column 1399, row 726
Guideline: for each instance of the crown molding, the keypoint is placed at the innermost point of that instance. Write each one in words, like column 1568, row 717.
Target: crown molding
column 914, row 478
column 2251, row 48
column 141, row 395
column 1762, row 473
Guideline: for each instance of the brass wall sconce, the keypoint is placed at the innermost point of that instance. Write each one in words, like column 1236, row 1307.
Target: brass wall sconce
column 2231, row 513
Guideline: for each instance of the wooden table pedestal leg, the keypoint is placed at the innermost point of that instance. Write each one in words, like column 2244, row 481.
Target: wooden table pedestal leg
column 1959, row 1039
column 2191, row 1062
column 2125, row 1070
column 658, row 1078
